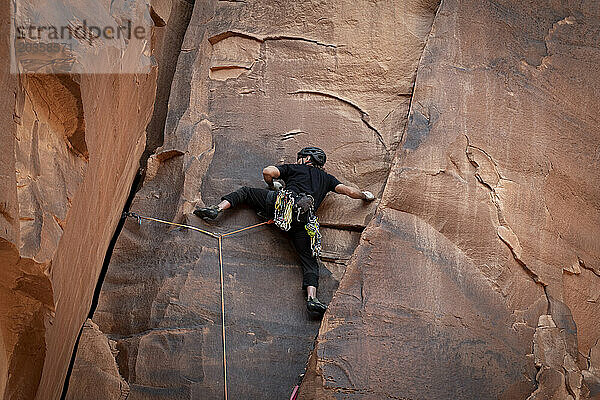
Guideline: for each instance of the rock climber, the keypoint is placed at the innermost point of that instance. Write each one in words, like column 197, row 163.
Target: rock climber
column 293, row 209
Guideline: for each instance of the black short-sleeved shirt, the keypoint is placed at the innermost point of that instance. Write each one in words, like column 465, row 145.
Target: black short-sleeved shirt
column 302, row 178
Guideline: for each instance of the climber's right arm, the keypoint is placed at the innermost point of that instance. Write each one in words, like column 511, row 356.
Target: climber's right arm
column 354, row 193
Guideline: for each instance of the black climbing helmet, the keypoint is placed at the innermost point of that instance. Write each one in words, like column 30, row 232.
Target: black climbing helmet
column 317, row 156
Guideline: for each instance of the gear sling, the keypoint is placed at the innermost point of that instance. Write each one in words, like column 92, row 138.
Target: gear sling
column 290, row 206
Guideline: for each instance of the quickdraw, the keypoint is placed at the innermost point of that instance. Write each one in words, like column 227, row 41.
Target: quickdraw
column 312, row 228
column 284, row 205
column 284, row 214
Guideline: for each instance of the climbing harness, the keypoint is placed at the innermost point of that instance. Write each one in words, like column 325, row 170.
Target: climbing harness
column 219, row 237
column 305, row 204
column 286, row 204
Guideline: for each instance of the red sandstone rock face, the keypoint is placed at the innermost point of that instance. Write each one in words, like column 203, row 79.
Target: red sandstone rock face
column 253, row 85
column 475, row 277
column 492, row 208
column 71, row 147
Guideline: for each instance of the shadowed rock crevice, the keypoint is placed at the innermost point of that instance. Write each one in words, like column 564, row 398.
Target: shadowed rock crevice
column 69, row 152
column 316, row 383
column 170, row 38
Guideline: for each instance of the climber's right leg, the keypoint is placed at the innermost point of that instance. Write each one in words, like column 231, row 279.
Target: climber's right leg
column 212, row 212
column 256, row 198
column 310, row 268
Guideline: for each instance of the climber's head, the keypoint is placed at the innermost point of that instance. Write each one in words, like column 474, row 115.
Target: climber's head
column 312, row 155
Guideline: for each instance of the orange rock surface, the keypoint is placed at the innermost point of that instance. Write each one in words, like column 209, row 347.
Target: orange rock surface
column 475, row 275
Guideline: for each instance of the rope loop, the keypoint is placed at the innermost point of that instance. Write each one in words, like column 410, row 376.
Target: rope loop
column 219, row 237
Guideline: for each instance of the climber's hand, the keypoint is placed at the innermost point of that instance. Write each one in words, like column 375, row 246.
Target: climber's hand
column 368, row 196
column 276, row 186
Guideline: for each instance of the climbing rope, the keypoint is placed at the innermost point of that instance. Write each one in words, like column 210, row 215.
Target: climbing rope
column 223, row 336
column 139, row 219
column 284, row 205
column 219, row 237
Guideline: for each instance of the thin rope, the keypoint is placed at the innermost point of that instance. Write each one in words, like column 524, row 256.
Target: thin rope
column 219, row 237
column 162, row 221
column 246, row 228
column 223, row 316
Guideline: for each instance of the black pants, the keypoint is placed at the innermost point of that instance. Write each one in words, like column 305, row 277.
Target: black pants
column 263, row 202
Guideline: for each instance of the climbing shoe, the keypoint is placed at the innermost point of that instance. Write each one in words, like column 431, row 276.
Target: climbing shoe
column 313, row 305
column 207, row 212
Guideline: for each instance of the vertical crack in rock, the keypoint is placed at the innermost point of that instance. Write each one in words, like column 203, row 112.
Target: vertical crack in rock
column 415, row 75
column 179, row 17
column 100, row 281
column 486, row 173
column 314, row 372
column 178, row 21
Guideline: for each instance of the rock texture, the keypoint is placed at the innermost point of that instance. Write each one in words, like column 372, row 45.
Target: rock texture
column 558, row 375
column 477, row 275
column 95, row 374
column 591, row 375
column 255, row 82
column 71, row 147
column 492, row 209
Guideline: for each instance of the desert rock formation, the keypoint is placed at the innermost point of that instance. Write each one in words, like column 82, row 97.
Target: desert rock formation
column 253, row 87
column 476, row 274
column 71, row 148
column 488, row 222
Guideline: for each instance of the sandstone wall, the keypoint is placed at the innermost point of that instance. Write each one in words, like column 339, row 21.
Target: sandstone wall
column 71, row 147
column 488, row 228
column 255, row 82
column 475, row 276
